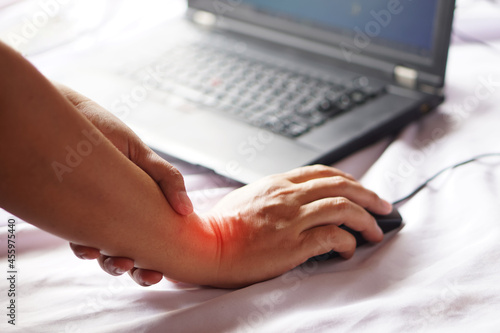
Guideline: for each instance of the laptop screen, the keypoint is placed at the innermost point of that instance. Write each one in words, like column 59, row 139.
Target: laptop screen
column 406, row 24
column 372, row 33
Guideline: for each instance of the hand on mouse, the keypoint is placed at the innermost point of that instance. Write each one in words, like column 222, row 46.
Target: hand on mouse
column 271, row 226
column 128, row 143
column 264, row 229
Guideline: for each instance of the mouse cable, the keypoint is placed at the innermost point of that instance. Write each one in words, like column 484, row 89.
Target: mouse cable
column 418, row 189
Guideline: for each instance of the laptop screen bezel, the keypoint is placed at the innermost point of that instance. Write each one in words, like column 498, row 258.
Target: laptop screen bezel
column 434, row 65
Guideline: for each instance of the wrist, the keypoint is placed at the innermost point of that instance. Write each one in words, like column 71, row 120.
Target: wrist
column 189, row 250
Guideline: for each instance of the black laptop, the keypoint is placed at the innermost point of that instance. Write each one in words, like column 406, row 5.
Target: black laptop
column 263, row 86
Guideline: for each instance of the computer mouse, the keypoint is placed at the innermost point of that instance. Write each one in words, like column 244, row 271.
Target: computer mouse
column 387, row 223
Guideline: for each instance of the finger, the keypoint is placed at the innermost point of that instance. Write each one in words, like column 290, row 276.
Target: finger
column 306, row 173
column 115, row 265
column 339, row 186
column 85, row 252
column 168, row 178
column 145, row 277
column 321, row 240
column 339, row 211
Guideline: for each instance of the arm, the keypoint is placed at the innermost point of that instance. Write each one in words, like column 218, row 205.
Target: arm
column 101, row 200
column 165, row 175
column 128, row 143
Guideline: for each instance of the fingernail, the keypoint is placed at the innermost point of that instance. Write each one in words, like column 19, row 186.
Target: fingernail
column 186, row 206
column 83, row 256
column 80, row 255
column 112, row 269
column 137, row 278
column 387, row 206
column 118, row 271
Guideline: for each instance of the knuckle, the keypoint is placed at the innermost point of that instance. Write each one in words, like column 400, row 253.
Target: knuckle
column 140, row 152
column 350, row 241
column 280, row 209
column 172, row 174
column 175, row 173
column 372, row 196
column 273, row 179
column 342, row 204
column 280, row 203
column 340, row 182
column 321, row 169
column 279, row 188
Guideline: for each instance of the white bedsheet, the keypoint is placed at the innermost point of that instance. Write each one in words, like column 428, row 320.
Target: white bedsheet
column 441, row 272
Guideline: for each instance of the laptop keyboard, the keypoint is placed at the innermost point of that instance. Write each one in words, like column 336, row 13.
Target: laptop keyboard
column 263, row 95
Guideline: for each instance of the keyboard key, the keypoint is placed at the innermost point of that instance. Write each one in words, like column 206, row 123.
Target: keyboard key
column 317, row 118
column 358, row 96
column 295, row 130
column 264, row 95
column 326, row 106
column 274, row 124
column 344, row 102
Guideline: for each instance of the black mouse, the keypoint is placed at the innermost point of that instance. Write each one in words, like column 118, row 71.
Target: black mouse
column 387, row 223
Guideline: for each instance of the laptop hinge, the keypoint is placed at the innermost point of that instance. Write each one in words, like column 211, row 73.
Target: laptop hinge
column 405, row 76
column 431, row 89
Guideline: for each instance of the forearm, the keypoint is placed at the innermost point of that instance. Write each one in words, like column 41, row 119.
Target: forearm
column 60, row 174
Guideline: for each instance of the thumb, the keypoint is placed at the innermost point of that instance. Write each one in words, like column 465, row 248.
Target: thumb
column 169, row 179
column 323, row 239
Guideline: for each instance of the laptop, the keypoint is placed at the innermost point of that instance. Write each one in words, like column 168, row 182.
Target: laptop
column 263, row 86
